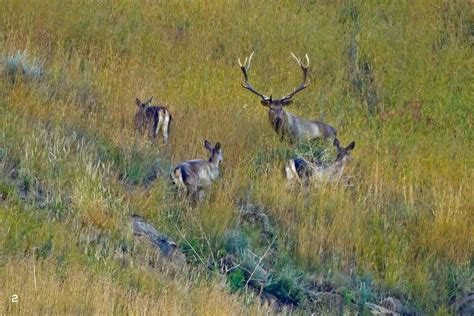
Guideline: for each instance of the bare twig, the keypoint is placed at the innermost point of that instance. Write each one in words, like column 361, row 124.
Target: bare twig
column 208, row 244
column 34, row 268
column 238, row 266
column 34, row 275
column 258, row 264
column 191, row 246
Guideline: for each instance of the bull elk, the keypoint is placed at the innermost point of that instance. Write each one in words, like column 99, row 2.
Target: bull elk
column 152, row 119
column 193, row 176
column 303, row 170
column 287, row 125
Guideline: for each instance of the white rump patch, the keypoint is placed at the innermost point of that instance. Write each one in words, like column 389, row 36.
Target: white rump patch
column 290, row 170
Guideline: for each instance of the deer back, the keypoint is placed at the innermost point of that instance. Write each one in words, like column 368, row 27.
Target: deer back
column 198, row 173
column 302, row 169
column 299, row 168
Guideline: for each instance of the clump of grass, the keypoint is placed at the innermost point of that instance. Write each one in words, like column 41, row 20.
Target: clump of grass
column 286, row 289
column 49, row 285
column 236, row 242
column 315, row 151
column 236, row 279
column 21, row 66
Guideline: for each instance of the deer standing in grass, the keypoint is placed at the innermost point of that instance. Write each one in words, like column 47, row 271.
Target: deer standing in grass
column 287, row 125
column 193, row 176
column 303, row 170
column 153, row 119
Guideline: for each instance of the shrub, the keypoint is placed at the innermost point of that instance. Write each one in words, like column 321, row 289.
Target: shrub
column 21, row 66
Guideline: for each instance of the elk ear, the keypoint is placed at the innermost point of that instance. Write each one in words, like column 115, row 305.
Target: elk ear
column 286, row 102
column 208, row 145
column 351, row 146
column 218, row 146
column 138, row 102
column 337, row 144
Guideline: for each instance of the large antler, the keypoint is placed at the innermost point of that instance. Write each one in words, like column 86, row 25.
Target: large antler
column 304, row 85
column 246, row 84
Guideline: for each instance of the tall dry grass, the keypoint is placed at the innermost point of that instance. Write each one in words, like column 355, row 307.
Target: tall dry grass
column 407, row 221
column 39, row 288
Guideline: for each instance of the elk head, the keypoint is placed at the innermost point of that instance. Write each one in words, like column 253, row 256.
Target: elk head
column 276, row 113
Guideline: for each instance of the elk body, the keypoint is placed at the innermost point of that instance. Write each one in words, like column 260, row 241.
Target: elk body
column 152, row 119
column 303, row 170
column 287, row 125
column 193, row 176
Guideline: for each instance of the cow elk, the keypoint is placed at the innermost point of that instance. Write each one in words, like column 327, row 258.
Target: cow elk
column 152, row 119
column 194, row 176
column 305, row 171
column 287, row 125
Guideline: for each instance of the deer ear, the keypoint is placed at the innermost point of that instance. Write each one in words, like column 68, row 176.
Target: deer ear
column 218, row 146
column 149, row 100
column 265, row 102
column 138, row 102
column 351, row 146
column 337, row 144
column 208, row 145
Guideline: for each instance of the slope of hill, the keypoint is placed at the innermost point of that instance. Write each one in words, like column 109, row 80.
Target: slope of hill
column 395, row 77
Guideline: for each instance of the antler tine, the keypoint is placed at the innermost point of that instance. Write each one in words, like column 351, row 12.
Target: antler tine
column 286, row 99
column 296, row 58
column 300, row 62
column 247, row 60
column 246, row 83
column 250, row 59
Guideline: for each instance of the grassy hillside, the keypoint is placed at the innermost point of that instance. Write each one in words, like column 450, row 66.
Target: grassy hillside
column 396, row 77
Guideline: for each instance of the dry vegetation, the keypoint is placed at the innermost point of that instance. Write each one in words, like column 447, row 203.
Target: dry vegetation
column 395, row 77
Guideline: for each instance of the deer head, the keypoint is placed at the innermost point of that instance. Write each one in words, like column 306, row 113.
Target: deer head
column 275, row 106
column 343, row 153
column 141, row 105
column 216, row 152
column 140, row 116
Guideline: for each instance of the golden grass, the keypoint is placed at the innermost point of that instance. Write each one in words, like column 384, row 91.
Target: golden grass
column 408, row 219
column 42, row 288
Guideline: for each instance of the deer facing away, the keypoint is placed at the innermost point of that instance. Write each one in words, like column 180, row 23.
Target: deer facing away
column 287, row 125
column 152, row 119
column 193, row 176
column 303, row 170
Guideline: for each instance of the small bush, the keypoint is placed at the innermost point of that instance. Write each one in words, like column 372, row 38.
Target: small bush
column 45, row 249
column 236, row 280
column 21, row 66
column 236, row 242
column 285, row 289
